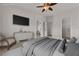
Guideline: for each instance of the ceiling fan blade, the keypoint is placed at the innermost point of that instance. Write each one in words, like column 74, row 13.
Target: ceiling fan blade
column 50, row 9
column 43, row 10
column 46, row 4
column 51, row 4
column 39, row 6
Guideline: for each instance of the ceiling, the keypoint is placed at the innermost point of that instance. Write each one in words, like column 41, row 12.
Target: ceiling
column 31, row 7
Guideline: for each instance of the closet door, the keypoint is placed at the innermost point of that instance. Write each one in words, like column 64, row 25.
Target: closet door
column 66, row 28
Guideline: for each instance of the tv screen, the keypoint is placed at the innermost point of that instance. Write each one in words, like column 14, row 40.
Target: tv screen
column 19, row 20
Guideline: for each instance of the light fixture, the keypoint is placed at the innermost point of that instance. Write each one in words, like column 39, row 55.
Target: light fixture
column 47, row 6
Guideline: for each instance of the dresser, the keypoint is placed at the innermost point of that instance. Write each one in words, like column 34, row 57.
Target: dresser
column 23, row 36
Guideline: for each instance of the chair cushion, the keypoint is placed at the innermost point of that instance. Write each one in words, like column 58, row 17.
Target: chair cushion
column 9, row 40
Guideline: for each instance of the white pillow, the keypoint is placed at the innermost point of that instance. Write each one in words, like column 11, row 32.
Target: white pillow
column 73, row 40
column 77, row 41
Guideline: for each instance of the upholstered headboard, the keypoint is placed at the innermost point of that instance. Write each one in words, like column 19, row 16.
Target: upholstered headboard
column 23, row 35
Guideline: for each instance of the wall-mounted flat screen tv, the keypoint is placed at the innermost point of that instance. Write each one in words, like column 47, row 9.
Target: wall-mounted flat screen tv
column 20, row 20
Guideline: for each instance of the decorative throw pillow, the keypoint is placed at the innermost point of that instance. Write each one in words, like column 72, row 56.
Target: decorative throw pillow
column 73, row 40
column 62, row 46
column 77, row 41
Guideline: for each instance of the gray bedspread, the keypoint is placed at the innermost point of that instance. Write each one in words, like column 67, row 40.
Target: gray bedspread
column 44, row 47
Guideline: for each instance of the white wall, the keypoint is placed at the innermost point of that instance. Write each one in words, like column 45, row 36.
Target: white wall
column 1, row 18
column 57, row 26
column 8, row 28
column 66, row 28
column 72, row 15
column 49, row 20
column 75, row 24
column 7, row 21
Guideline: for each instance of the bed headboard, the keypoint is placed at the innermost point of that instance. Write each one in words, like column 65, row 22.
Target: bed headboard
column 23, row 35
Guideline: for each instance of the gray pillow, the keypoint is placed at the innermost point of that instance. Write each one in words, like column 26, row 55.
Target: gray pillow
column 72, row 49
column 72, row 40
column 62, row 46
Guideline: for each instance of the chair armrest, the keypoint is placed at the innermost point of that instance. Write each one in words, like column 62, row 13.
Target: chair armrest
column 10, row 38
column 11, row 41
column 3, row 42
column 7, row 44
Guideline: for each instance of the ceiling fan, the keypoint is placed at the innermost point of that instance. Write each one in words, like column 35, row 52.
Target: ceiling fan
column 47, row 6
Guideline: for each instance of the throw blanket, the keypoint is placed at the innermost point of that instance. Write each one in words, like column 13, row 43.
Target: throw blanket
column 44, row 47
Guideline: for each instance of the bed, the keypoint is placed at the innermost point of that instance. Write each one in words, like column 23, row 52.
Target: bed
column 45, row 46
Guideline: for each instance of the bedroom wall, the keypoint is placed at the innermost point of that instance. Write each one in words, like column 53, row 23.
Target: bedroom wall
column 8, row 28
column 75, row 23
column 57, row 26
column 0, row 19
column 7, row 21
column 71, row 15
column 49, row 20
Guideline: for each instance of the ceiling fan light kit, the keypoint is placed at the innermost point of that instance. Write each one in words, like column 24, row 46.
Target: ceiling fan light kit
column 47, row 6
